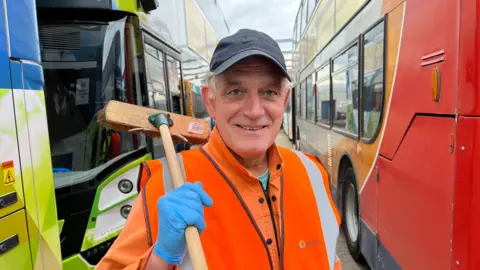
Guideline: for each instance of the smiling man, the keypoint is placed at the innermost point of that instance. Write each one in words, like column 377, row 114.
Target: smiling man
column 256, row 205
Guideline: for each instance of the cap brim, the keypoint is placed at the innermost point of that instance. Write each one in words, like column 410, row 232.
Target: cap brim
column 240, row 56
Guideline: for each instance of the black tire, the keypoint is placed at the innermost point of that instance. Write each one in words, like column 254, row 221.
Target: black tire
column 350, row 182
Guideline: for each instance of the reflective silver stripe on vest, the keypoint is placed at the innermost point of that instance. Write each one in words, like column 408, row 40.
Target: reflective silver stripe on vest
column 328, row 219
column 168, row 186
column 167, row 179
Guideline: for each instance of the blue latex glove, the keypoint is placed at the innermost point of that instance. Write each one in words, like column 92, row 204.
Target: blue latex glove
column 178, row 209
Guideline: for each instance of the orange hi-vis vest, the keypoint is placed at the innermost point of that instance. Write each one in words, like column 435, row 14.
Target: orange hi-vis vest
column 309, row 224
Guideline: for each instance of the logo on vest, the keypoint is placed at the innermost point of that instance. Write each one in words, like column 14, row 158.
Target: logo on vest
column 304, row 244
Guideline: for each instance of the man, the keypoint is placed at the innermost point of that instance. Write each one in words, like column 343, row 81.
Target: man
column 256, row 205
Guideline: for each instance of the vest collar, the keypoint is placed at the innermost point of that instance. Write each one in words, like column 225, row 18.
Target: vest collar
column 220, row 153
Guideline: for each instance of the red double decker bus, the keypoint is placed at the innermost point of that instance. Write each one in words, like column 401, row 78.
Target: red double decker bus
column 386, row 94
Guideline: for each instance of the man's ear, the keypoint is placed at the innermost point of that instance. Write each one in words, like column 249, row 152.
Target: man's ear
column 208, row 97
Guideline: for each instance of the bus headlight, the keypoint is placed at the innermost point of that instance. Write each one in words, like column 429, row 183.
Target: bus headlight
column 125, row 186
column 125, row 210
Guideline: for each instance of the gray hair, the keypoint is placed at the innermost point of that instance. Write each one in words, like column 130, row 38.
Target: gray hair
column 212, row 87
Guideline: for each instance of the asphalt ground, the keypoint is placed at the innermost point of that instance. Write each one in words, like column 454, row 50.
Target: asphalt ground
column 342, row 251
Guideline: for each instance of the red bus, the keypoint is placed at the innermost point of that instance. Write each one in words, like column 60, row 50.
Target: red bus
column 386, row 95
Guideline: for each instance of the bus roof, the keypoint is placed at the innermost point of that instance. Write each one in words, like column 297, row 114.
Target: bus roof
column 121, row 5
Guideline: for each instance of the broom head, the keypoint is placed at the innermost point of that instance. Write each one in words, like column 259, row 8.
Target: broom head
column 125, row 117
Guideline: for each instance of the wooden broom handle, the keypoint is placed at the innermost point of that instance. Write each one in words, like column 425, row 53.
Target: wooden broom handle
column 192, row 236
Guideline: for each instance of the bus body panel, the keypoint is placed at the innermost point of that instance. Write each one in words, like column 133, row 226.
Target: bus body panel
column 389, row 5
column 39, row 186
column 121, row 5
column 368, row 204
column 15, row 242
column 106, row 221
column 415, row 195
column 23, row 31
column 11, row 194
column 125, row 5
column 24, row 131
column 469, row 61
column 429, row 41
column 466, row 231
column 368, row 183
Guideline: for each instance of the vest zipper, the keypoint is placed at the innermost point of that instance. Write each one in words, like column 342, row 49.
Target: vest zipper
column 265, row 192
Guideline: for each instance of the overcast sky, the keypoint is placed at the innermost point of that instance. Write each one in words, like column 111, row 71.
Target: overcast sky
column 274, row 17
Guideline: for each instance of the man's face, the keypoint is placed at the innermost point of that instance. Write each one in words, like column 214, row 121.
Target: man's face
column 248, row 105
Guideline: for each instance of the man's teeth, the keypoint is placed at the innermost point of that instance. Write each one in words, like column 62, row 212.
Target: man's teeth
column 250, row 128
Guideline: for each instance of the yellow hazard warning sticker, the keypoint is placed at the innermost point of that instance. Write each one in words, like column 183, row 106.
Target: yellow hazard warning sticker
column 8, row 173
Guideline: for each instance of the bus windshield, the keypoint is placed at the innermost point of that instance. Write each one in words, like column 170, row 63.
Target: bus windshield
column 84, row 68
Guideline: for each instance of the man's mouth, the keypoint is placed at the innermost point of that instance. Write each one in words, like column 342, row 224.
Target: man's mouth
column 251, row 127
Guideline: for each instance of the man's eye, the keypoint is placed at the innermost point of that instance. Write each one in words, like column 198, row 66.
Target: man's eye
column 235, row 92
column 271, row 93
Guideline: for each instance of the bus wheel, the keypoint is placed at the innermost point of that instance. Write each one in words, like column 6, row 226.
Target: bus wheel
column 351, row 220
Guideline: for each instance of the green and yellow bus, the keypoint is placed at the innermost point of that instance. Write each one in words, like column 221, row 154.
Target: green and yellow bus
column 69, row 184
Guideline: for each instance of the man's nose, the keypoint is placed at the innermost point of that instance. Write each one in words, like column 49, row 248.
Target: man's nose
column 253, row 106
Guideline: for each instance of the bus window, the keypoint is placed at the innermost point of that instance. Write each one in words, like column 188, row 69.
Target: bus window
column 373, row 85
column 151, row 50
column 298, row 104
column 156, row 86
column 173, row 68
column 310, row 98
column 159, row 101
column 323, row 95
column 83, row 65
column 155, row 79
column 303, row 100
column 156, row 73
column 345, row 91
column 199, row 106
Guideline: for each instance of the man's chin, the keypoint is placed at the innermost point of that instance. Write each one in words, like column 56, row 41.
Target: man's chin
column 246, row 151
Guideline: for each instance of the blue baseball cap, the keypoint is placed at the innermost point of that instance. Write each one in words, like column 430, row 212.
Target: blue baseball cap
column 245, row 43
